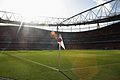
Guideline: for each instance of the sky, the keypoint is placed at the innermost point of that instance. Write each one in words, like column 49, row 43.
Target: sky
column 49, row 8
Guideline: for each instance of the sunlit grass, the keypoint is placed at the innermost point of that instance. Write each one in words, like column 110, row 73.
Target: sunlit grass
column 77, row 64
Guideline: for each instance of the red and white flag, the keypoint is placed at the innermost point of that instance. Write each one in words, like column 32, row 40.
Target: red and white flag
column 60, row 41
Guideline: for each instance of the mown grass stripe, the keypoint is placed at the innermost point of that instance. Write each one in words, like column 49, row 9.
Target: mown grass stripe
column 89, row 67
column 24, row 59
column 55, row 69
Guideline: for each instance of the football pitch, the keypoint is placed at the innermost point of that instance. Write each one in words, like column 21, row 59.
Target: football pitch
column 70, row 65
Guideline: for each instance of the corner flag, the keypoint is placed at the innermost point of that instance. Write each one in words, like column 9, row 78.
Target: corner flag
column 60, row 41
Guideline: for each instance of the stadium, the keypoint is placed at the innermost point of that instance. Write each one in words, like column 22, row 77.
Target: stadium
column 33, row 50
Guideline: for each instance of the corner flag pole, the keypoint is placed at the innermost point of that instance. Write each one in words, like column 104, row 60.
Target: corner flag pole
column 59, row 56
column 61, row 44
column 58, row 50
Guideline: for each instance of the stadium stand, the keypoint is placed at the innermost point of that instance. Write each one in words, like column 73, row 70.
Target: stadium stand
column 103, row 38
column 37, row 39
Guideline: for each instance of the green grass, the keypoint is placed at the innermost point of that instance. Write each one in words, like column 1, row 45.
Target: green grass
column 77, row 64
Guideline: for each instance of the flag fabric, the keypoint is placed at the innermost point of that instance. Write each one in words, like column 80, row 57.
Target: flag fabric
column 60, row 41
